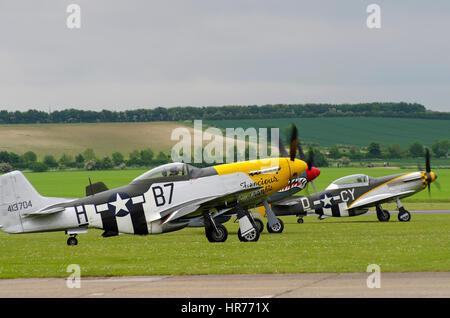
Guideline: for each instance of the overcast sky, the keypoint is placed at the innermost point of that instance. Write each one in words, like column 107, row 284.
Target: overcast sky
column 134, row 54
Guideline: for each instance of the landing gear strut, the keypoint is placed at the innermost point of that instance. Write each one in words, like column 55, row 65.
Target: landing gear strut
column 382, row 215
column 215, row 233
column 403, row 214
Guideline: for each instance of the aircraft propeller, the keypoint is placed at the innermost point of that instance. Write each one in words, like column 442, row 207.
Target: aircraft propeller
column 430, row 176
column 295, row 145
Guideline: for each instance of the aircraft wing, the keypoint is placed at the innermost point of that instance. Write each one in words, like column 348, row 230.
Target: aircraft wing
column 206, row 203
column 369, row 200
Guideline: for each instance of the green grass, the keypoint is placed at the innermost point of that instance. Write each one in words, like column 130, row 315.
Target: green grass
column 333, row 245
column 359, row 131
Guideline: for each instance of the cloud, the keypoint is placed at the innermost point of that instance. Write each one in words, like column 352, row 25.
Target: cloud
column 169, row 53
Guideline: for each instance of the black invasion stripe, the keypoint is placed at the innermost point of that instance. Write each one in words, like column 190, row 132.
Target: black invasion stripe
column 351, row 212
column 335, row 210
column 109, row 223
column 138, row 219
column 319, row 211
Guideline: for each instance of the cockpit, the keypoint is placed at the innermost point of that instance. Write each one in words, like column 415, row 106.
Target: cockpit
column 175, row 171
column 354, row 180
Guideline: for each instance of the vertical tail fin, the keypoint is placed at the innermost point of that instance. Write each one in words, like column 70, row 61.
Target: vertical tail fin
column 17, row 195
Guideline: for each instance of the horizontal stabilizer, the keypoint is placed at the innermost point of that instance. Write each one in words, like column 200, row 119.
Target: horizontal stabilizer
column 45, row 211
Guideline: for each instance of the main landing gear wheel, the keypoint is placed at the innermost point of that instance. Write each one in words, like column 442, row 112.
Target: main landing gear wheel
column 259, row 225
column 253, row 236
column 383, row 215
column 217, row 234
column 300, row 220
column 403, row 215
column 72, row 241
column 277, row 227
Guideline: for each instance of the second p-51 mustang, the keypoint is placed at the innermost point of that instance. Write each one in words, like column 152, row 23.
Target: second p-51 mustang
column 354, row 194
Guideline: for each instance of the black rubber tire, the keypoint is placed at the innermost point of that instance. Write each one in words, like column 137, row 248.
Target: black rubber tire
column 72, row 241
column 277, row 229
column 259, row 225
column 251, row 237
column 218, row 236
column 404, row 216
column 383, row 215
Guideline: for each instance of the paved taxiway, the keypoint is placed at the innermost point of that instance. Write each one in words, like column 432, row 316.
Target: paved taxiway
column 415, row 284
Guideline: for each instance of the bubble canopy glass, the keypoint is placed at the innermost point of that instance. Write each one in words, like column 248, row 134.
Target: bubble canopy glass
column 166, row 171
column 354, row 180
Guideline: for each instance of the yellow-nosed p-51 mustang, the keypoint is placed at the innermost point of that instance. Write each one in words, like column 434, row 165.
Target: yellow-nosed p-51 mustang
column 164, row 199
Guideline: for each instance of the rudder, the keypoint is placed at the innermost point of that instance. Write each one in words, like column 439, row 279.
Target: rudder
column 17, row 195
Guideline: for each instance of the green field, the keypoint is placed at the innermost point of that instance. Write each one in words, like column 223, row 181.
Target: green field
column 359, row 131
column 333, row 245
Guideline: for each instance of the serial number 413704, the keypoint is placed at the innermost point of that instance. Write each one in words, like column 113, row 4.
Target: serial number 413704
column 19, row 206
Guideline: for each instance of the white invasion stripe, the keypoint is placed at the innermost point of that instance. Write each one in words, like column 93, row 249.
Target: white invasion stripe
column 343, row 209
column 124, row 224
column 137, row 199
column 327, row 211
column 94, row 218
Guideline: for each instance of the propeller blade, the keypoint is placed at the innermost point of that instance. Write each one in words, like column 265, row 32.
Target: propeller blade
column 427, row 160
column 293, row 144
column 310, row 159
column 283, row 152
column 301, row 153
column 437, row 185
column 314, row 186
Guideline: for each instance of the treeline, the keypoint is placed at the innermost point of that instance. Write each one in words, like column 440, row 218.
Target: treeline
column 405, row 110
column 87, row 160
column 440, row 148
column 148, row 158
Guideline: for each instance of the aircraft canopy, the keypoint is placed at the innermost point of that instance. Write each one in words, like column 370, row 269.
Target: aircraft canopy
column 166, row 171
column 354, row 180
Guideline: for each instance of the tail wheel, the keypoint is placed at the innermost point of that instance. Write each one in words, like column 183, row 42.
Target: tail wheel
column 218, row 234
column 72, row 241
column 277, row 227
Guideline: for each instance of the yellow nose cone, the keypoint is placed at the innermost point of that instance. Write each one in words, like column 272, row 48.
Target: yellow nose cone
column 297, row 167
column 433, row 176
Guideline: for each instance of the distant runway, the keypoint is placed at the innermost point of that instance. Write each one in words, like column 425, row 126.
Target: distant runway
column 414, row 212
column 415, row 284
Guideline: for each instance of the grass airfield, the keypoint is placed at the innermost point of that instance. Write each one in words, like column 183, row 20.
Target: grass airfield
column 332, row 245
